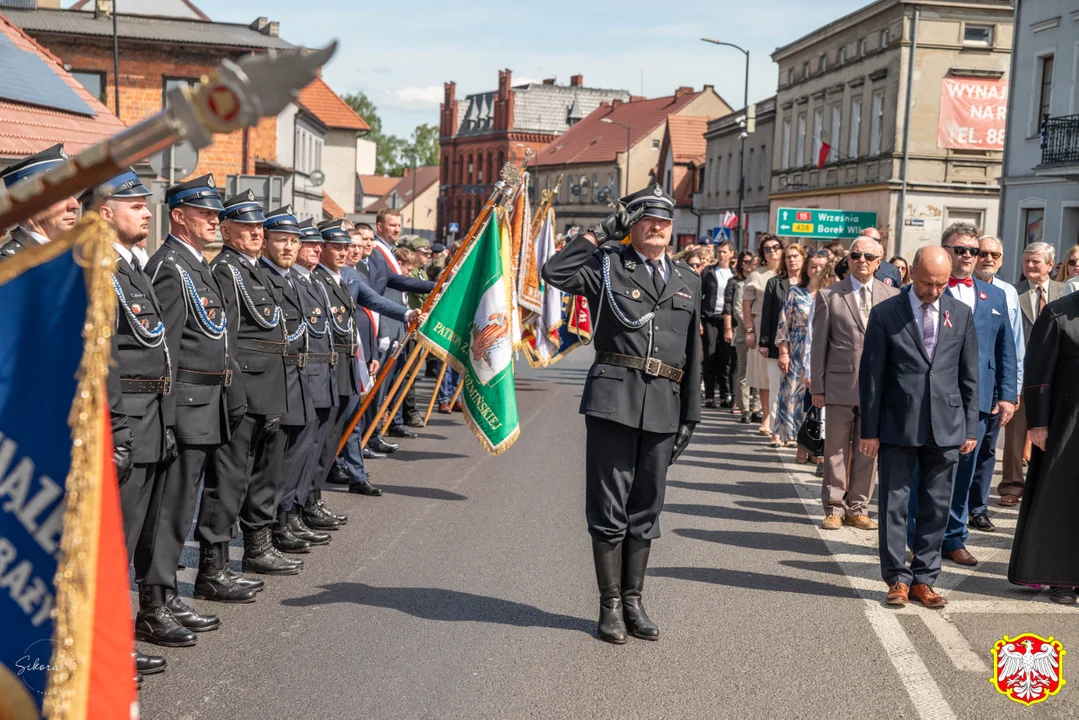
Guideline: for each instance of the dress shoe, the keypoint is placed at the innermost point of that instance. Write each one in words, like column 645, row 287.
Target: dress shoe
column 189, row 617
column 244, row 581
column 745, row 419
column 213, row 582
column 862, row 522
column 634, row 565
column 154, row 622
column 709, row 403
column 726, row 403
column 149, row 664
column 261, row 557
column 316, row 518
column 382, row 446
column 757, row 417
column 365, row 488
column 961, row 556
column 415, row 421
column 458, row 407
column 608, row 561
column 832, row 522
column 819, row 472
column 284, row 539
column 1008, row 500
column 927, row 596
column 1062, row 595
column 341, row 519
column 897, row 594
column 338, row 475
column 369, row 454
column 300, row 529
column 400, row 431
column 981, row 521
column 445, row 408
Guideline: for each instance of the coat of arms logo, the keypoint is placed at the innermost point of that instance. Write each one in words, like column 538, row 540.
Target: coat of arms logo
column 1028, row 668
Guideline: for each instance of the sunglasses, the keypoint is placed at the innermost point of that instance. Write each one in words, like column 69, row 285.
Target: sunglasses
column 960, row 251
column 1071, row 263
column 989, row 254
column 814, row 252
column 869, row 257
column 772, row 248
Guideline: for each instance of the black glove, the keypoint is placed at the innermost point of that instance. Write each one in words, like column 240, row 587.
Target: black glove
column 616, row 225
column 271, row 425
column 124, row 457
column 236, row 416
column 171, row 451
column 681, row 440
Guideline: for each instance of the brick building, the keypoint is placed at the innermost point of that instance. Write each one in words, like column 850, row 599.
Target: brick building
column 486, row 130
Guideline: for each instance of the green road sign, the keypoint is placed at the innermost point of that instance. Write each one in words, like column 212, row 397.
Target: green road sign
column 823, row 224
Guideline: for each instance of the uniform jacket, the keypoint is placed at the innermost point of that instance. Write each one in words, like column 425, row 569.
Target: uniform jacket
column 1027, row 295
column 905, row 398
column 996, row 346
column 17, row 241
column 342, row 324
column 838, row 334
column 300, row 409
column 625, row 395
column 138, row 315
column 321, row 377
column 249, row 301
column 775, row 294
column 202, row 411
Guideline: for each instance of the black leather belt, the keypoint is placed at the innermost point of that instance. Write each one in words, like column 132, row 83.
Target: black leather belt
column 204, row 378
column 330, row 358
column 650, row 366
column 262, row 346
column 298, row 360
column 346, row 349
column 160, row 386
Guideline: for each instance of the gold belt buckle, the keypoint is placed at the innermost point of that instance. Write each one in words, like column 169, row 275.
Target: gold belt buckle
column 652, row 366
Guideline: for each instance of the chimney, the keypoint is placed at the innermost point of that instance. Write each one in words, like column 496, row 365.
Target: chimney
column 102, row 8
column 548, row 81
column 448, row 125
column 682, row 92
column 637, row 98
column 259, row 25
column 617, row 102
column 576, row 80
column 272, row 28
column 709, row 88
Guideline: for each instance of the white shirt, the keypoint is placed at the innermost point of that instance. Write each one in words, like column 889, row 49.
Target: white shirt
column 141, row 254
column 36, row 235
column 302, row 270
column 857, row 285
column 964, row 294
column 934, row 311
column 1011, row 296
column 1071, row 286
column 723, row 276
column 191, row 249
column 280, row 270
column 663, row 259
column 333, row 274
column 123, row 252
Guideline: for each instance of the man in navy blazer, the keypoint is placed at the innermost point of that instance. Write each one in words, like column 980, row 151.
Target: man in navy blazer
column 918, row 389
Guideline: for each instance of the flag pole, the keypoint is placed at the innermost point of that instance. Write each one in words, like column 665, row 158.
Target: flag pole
column 404, row 391
column 434, row 395
column 457, row 392
column 389, row 396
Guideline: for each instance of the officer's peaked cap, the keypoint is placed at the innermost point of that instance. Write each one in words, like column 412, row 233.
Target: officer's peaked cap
column 125, row 185
column 308, row 231
column 656, row 202
column 282, row 220
column 333, row 231
column 200, row 192
column 36, row 163
column 243, row 208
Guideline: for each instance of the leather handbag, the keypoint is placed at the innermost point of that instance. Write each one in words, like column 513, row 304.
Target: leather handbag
column 811, row 434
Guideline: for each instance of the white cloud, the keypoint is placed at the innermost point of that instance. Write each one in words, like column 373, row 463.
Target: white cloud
column 427, row 96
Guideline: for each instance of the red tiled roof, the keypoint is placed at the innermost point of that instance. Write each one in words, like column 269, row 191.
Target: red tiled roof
column 591, row 140
column 331, row 208
column 27, row 129
column 425, row 178
column 686, row 133
column 329, row 108
column 377, row 184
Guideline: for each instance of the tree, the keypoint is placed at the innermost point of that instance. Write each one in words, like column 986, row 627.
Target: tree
column 365, row 109
column 394, row 154
column 424, row 145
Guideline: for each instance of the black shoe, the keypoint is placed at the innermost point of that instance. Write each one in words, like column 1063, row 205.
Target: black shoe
column 415, row 421
column 709, row 403
column 154, row 622
column 726, row 403
column 283, row 537
column 1062, row 595
column 315, row 518
column 342, row 519
column 214, row 582
column 369, row 454
column 634, row 564
column 745, row 419
column 261, row 557
column 757, row 417
column 149, row 664
column 338, row 475
column 300, row 530
column 189, row 617
column 400, row 431
column 608, row 561
column 381, row 446
column 138, row 681
column 365, row 488
column 981, row 521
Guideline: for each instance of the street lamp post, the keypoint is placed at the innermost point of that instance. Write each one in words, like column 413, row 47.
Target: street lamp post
column 743, row 225
column 615, row 122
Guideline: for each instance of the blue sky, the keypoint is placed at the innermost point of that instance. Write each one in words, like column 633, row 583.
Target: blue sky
column 400, row 53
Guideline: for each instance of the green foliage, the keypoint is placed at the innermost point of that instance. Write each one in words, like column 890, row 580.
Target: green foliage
column 394, row 154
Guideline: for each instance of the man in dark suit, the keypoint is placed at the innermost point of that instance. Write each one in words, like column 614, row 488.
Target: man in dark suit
column 918, row 389
column 720, row 360
column 1036, row 291
column 51, row 222
column 642, row 397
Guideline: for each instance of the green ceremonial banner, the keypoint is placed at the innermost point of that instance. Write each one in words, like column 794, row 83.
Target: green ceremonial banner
column 470, row 325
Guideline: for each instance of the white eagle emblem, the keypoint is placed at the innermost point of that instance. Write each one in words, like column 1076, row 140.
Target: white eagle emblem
column 1029, row 676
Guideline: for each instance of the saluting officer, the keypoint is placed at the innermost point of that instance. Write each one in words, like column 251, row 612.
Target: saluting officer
column 642, row 396
column 280, row 248
column 144, row 377
column 207, row 403
column 242, row 477
column 50, row 223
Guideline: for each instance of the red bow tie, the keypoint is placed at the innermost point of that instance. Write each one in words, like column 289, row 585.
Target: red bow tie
column 968, row 281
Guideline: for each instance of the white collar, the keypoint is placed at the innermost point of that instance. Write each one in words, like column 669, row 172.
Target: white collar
column 123, row 252
column 302, row 270
column 280, row 270
column 857, row 284
column 332, row 273
column 190, row 248
column 916, row 304
column 662, row 258
column 43, row 239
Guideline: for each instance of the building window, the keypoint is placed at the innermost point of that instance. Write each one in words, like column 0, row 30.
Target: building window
column 714, row 186
column 1033, row 222
column 790, row 76
column 861, row 47
column 445, row 169
column 841, row 56
column 655, row 144
column 93, row 81
column 822, row 62
column 460, row 173
column 490, row 167
column 876, row 123
column 730, row 168
column 470, row 170
column 979, row 35
column 1045, row 89
column 785, row 152
column 749, row 169
column 884, row 38
column 800, row 142
column 833, row 136
column 170, row 83
column 855, row 127
column 805, row 69
column 818, row 133
column 763, row 175
column 501, row 161
column 700, row 181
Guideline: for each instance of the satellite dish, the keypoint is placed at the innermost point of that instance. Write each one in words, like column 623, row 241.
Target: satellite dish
column 179, row 161
column 316, row 178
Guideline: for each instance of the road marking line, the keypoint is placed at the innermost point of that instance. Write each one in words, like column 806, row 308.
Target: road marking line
column 952, row 642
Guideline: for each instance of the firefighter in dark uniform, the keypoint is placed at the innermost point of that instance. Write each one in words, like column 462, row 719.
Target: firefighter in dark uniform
column 321, row 371
column 642, row 397
column 143, row 377
column 207, row 400
column 280, row 248
column 51, row 222
column 243, row 475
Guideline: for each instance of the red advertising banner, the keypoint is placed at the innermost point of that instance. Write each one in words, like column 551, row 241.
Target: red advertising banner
column 973, row 112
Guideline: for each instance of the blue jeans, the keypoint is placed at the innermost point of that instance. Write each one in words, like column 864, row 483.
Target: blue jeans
column 448, row 386
column 351, row 458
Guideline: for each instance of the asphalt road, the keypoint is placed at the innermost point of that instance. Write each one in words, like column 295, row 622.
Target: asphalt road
column 467, row 591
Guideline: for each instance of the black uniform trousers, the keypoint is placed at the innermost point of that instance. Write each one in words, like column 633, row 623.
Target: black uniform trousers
column 408, row 406
column 625, row 479
column 302, row 449
column 242, row 479
column 135, row 495
column 720, row 360
column 169, row 516
column 309, row 473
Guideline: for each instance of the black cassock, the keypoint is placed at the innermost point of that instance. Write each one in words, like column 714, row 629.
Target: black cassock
column 1046, row 539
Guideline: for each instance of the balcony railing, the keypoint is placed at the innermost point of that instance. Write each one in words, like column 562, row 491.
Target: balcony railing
column 1060, row 140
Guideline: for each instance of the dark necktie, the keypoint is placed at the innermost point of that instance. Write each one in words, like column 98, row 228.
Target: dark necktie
column 657, row 276
column 136, row 266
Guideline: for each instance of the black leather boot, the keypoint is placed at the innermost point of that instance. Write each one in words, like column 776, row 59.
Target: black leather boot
column 213, row 582
column 188, row 616
column 300, row 530
column 149, row 664
column 343, row 519
column 284, row 540
column 634, row 564
column 260, row 556
column 241, row 580
column 315, row 515
column 608, row 559
column 154, row 622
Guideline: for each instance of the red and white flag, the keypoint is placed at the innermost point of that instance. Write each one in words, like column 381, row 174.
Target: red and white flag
column 822, row 156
